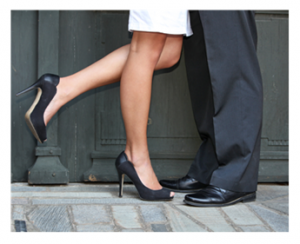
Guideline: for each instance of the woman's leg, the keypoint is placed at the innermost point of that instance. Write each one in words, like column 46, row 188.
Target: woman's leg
column 135, row 94
column 106, row 71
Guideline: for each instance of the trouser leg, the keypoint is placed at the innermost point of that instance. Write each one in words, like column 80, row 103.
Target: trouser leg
column 202, row 101
column 234, row 139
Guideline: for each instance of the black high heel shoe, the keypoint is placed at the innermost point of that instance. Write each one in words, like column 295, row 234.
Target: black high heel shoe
column 34, row 117
column 126, row 167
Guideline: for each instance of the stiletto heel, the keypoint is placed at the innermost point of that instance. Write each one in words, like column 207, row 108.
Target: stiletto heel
column 34, row 117
column 126, row 167
column 121, row 183
column 34, row 86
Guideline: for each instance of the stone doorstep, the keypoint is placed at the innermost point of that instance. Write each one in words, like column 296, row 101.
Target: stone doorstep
column 62, row 194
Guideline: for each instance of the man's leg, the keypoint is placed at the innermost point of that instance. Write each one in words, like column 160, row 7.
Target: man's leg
column 201, row 94
column 237, row 87
column 230, row 38
column 229, row 155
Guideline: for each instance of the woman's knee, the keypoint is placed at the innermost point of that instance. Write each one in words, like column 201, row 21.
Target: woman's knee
column 172, row 50
column 148, row 43
column 173, row 59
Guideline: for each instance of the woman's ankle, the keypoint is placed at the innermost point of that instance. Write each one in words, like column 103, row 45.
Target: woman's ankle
column 56, row 103
column 137, row 156
column 63, row 91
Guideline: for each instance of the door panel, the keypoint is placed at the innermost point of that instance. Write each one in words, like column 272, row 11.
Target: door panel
column 90, row 130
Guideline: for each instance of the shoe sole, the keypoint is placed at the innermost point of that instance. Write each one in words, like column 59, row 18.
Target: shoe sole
column 146, row 200
column 160, row 200
column 28, row 113
column 184, row 191
column 247, row 198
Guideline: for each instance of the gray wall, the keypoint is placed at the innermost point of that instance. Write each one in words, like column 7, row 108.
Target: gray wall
column 89, row 133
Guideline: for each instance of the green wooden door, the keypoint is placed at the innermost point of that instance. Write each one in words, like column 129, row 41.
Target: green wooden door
column 272, row 50
column 88, row 133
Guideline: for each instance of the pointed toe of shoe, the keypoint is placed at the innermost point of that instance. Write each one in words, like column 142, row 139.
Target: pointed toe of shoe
column 185, row 184
column 196, row 198
column 212, row 196
column 171, row 184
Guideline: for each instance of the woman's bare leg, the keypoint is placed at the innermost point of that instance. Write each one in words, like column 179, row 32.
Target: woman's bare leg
column 106, row 71
column 135, row 94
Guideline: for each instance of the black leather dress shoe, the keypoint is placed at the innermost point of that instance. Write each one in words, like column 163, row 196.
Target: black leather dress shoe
column 184, row 184
column 212, row 196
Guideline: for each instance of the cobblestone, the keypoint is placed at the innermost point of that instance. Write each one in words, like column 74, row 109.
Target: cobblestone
column 267, row 192
column 95, row 228
column 79, row 207
column 132, row 230
column 159, row 228
column 279, row 204
column 126, row 217
column 241, row 215
column 278, row 223
column 255, row 228
column 181, row 223
column 152, row 214
column 51, row 219
column 211, row 217
column 90, row 214
column 18, row 213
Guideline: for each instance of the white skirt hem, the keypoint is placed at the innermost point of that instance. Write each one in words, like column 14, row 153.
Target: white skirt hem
column 173, row 22
column 167, row 30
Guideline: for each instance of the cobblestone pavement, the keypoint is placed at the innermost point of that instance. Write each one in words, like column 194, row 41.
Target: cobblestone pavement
column 83, row 207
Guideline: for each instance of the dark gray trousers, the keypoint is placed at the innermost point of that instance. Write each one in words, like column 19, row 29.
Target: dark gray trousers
column 226, row 93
